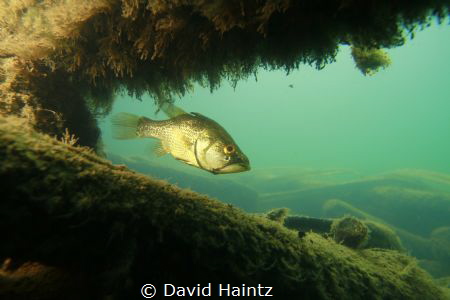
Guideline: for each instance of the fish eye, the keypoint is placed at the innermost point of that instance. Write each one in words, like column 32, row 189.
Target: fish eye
column 228, row 149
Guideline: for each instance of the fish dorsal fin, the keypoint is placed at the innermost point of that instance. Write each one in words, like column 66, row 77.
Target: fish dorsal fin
column 199, row 115
column 158, row 149
column 171, row 110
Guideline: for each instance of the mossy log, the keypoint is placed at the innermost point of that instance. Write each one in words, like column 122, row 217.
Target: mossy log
column 225, row 189
column 63, row 206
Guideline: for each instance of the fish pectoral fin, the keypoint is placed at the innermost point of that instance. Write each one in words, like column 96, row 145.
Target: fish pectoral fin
column 158, row 149
column 186, row 162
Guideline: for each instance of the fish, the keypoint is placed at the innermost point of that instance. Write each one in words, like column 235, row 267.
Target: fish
column 189, row 137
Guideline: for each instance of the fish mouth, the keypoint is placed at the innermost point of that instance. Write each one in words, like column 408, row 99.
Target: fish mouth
column 232, row 168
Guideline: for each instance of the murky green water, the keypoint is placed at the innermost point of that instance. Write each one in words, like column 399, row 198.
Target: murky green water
column 330, row 143
column 335, row 117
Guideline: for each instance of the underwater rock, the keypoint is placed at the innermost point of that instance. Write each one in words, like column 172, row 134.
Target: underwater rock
column 350, row 232
column 278, row 215
column 67, row 208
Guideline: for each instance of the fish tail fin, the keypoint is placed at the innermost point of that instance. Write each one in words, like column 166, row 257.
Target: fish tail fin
column 171, row 110
column 124, row 126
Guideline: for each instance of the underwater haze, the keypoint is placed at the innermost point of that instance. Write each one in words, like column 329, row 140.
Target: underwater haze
column 330, row 143
column 334, row 118
column 187, row 148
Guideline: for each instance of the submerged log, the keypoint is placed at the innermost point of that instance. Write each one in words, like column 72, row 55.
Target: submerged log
column 64, row 207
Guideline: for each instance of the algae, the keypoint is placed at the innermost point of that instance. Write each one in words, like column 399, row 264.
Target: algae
column 378, row 235
column 62, row 63
column 369, row 61
column 350, row 232
column 225, row 189
column 69, row 58
column 278, row 215
column 67, row 208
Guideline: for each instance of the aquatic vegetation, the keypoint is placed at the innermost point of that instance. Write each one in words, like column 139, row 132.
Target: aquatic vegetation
column 369, row 61
column 399, row 200
column 69, row 139
column 432, row 253
column 101, row 48
column 437, row 181
column 61, row 64
column 48, row 100
column 378, row 235
column 112, row 225
column 31, row 29
column 225, row 189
